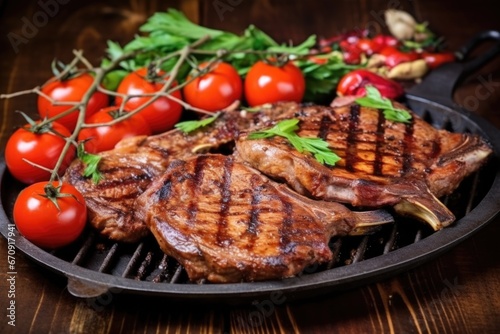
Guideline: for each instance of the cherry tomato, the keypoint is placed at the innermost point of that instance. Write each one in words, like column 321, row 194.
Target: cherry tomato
column 105, row 138
column 69, row 90
column 349, row 36
column 354, row 82
column 434, row 60
column 215, row 90
column 162, row 114
column 393, row 56
column 46, row 224
column 267, row 83
column 40, row 146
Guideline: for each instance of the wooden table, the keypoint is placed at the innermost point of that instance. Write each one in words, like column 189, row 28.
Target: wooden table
column 456, row 293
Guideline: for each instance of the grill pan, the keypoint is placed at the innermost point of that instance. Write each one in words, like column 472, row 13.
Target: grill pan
column 96, row 266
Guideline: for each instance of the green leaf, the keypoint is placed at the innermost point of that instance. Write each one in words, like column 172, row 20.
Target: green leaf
column 373, row 103
column 301, row 49
column 260, row 135
column 397, row 115
column 164, row 42
column 287, row 129
column 288, row 125
column 322, row 79
column 113, row 79
column 280, row 129
column 92, row 163
column 261, row 40
column 175, row 23
column 296, row 142
column 190, row 126
column 114, row 50
column 374, row 99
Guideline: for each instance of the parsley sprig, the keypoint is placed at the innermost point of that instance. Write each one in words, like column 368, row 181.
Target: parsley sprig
column 374, row 99
column 91, row 162
column 190, row 126
column 287, row 129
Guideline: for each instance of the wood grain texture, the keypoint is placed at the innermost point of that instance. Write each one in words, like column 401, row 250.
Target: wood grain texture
column 456, row 293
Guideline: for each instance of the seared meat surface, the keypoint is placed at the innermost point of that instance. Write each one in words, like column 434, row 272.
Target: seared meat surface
column 226, row 222
column 383, row 163
column 128, row 169
column 405, row 165
column 110, row 203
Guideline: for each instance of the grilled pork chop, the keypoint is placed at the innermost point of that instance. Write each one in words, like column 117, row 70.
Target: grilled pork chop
column 382, row 162
column 226, row 222
column 128, row 169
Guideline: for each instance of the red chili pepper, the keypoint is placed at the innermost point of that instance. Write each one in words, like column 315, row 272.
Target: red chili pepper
column 434, row 60
column 342, row 37
column 350, row 52
column 393, row 56
column 368, row 46
column 386, row 40
column 354, row 82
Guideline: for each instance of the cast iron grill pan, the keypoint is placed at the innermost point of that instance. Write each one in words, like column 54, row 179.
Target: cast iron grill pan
column 95, row 265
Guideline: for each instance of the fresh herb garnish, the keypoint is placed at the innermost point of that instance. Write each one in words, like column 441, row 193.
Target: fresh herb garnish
column 287, row 129
column 190, row 126
column 91, row 162
column 374, row 99
column 323, row 75
column 170, row 31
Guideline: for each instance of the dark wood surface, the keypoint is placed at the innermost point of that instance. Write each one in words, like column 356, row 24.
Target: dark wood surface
column 456, row 293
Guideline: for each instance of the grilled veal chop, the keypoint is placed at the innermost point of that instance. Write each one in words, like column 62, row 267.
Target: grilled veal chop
column 226, row 222
column 128, row 169
column 382, row 162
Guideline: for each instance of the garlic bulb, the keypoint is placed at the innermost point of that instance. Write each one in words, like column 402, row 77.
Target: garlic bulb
column 401, row 24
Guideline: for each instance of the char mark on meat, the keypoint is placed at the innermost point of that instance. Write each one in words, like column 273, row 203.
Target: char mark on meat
column 383, row 163
column 130, row 167
column 226, row 222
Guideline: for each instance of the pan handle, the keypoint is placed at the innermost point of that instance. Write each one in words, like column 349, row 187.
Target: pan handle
column 474, row 64
column 440, row 83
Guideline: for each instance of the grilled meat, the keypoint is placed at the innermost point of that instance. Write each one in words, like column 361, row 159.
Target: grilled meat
column 226, row 222
column 383, row 162
column 128, row 169
column 110, row 203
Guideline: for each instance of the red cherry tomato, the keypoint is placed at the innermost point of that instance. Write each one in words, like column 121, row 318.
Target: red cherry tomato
column 354, row 83
column 43, row 223
column 162, row 114
column 267, row 83
column 69, row 90
column 434, row 60
column 393, row 56
column 215, row 90
column 105, row 138
column 39, row 146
